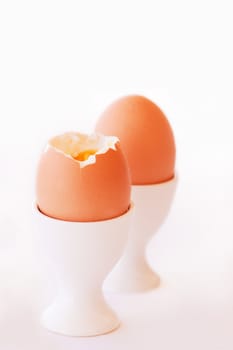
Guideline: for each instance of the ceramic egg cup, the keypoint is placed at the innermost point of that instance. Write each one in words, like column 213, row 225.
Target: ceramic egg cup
column 81, row 255
column 132, row 273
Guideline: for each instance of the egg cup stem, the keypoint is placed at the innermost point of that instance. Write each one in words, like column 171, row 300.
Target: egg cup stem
column 152, row 205
column 81, row 254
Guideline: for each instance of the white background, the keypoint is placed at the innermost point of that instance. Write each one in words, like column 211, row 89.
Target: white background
column 61, row 64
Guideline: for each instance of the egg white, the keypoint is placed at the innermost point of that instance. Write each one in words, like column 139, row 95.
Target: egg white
column 70, row 144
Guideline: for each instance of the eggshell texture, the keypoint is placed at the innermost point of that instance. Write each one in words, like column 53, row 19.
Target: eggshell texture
column 98, row 191
column 145, row 135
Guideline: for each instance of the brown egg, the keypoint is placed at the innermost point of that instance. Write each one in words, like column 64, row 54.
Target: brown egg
column 145, row 135
column 83, row 178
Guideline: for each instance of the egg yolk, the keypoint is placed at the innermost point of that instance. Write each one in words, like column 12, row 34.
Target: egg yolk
column 85, row 154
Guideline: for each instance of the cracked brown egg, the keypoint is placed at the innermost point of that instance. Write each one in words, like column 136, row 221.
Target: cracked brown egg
column 83, row 178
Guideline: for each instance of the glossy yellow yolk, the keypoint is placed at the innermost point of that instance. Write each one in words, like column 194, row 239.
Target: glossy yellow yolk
column 84, row 155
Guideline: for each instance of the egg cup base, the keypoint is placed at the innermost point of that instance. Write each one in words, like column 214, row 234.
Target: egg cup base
column 67, row 319
column 139, row 279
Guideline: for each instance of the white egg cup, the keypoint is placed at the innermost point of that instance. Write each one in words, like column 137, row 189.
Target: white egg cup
column 81, row 254
column 132, row 273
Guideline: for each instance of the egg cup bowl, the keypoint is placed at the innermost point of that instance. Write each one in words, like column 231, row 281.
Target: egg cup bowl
column 81, row 254
column 152, row 204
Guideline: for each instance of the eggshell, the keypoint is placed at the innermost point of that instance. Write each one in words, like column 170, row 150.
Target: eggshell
column 145, row 135
column 65, row 190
